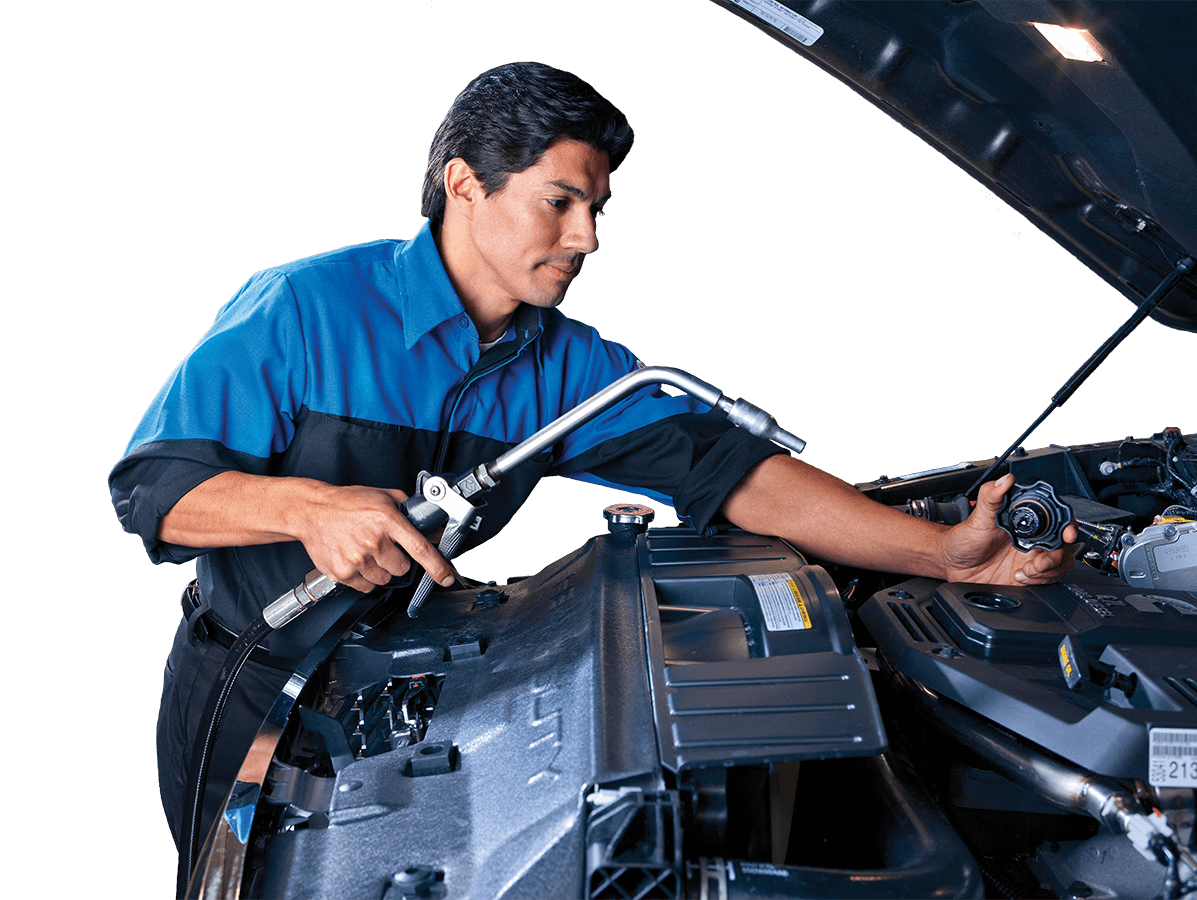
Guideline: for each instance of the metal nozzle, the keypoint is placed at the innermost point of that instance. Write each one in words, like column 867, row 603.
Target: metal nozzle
column 756, row 421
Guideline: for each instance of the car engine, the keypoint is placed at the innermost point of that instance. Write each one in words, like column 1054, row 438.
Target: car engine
column 666, row 714
column 1021, row 701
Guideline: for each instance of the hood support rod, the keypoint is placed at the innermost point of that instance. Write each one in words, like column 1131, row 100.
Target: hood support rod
column 1146, row 308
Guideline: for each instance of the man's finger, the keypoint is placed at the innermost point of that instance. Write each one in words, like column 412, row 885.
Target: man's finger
column 421, row 550
column 1044, row 566
column 992, row 494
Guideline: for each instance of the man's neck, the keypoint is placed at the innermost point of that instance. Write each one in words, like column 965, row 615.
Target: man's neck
column 491, row 318
column 490, row 327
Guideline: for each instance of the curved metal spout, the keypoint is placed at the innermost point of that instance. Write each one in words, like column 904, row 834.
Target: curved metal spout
column 739, row 412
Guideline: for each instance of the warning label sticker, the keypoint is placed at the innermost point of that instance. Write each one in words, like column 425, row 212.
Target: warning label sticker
column 1172, row 757
column 781, row 602
column 800, row 28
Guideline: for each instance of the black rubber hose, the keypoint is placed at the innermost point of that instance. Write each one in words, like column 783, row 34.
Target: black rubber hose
column 201, row 754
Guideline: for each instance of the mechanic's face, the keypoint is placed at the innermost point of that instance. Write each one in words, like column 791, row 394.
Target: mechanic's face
column 531, row 236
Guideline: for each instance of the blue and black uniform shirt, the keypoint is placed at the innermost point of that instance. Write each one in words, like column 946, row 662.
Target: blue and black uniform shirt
column 361, row 366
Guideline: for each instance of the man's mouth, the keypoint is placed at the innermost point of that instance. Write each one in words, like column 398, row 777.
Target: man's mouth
column 568, row 268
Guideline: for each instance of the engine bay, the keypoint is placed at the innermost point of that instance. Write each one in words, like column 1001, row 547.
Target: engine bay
column 665, row 714
column 1097, row 674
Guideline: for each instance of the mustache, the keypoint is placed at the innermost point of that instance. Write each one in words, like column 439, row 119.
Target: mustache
column 572, row 262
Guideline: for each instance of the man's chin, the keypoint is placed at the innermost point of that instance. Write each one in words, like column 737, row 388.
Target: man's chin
column 547, row 299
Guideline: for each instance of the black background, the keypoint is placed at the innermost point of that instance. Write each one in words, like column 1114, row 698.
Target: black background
column 770, row 232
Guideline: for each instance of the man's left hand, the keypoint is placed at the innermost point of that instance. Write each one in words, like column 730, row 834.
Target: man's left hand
column 977, row 550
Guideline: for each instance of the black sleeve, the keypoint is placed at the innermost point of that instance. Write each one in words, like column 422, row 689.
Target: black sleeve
column 696, row 459
column 147, row 483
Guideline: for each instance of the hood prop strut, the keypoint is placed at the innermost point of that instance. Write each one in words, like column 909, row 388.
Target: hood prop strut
column 1146, row 308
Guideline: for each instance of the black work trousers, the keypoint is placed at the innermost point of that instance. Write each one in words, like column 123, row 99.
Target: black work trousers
column 191, row 669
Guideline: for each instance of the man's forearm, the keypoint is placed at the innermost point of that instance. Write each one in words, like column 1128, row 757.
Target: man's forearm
column 355, row 535
column 828, row 518
column 237, row 509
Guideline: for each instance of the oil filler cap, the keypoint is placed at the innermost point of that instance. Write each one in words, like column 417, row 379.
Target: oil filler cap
column 1034, row 517
column 624, row 517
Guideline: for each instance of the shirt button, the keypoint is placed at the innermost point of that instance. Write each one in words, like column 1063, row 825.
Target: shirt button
column 462, row 321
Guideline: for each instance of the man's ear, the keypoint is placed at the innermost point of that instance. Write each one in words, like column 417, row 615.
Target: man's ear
column 462, row 187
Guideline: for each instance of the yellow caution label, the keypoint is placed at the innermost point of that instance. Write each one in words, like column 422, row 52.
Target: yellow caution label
column 802, row 611
column 1065, row 661
column 782, row 605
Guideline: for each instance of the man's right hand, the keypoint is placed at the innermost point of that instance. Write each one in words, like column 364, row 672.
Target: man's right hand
column 357, row 536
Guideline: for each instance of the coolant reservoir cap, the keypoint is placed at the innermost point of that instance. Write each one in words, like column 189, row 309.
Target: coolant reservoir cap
column 628, row 517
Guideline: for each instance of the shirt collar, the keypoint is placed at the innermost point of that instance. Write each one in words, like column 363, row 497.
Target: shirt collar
column 428, row 298
column 427, row 295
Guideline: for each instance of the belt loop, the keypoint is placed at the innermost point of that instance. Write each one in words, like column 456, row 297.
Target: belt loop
column 194, row 607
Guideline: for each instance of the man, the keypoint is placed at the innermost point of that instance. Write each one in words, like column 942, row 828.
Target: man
column 290, row 434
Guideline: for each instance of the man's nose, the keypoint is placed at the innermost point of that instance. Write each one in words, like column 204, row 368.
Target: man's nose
column 581, row 234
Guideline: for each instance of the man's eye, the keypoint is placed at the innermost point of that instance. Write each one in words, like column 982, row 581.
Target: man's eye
column 558, row 202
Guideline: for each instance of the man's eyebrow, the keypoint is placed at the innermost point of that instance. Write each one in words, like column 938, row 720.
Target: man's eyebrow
column 577, row 191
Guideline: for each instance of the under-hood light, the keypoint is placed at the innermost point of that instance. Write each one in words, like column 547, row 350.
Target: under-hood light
column 1072, row 43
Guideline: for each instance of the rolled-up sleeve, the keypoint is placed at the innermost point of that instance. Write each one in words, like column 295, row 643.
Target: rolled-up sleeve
column 692, row 461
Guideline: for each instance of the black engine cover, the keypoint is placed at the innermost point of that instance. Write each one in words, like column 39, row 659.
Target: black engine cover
column 996, row 651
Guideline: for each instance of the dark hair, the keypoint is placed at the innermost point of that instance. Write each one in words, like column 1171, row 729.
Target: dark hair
column 506, row 119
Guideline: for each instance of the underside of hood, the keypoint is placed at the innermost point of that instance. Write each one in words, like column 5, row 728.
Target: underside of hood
column 1099, row 154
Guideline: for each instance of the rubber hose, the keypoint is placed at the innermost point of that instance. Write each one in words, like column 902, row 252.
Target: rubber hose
column 201, row 754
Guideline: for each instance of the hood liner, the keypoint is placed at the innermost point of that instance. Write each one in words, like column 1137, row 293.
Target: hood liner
column 1099, row 156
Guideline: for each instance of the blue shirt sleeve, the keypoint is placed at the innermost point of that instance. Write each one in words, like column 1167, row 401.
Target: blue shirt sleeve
column 243, row 382
column 229, row 405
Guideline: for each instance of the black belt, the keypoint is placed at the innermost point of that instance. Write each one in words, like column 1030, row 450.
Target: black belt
column 203, row 627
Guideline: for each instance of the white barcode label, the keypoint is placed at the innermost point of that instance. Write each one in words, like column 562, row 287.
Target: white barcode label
column 800, row 28
column 782, row 604
column 1172, row 757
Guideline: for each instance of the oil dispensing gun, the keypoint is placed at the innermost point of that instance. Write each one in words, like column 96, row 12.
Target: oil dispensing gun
column 450, row 502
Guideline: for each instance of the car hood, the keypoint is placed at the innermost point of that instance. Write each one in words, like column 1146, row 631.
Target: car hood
column 1100, row 155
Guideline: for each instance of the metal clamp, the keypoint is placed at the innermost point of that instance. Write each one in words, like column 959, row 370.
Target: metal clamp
column 314, row 588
